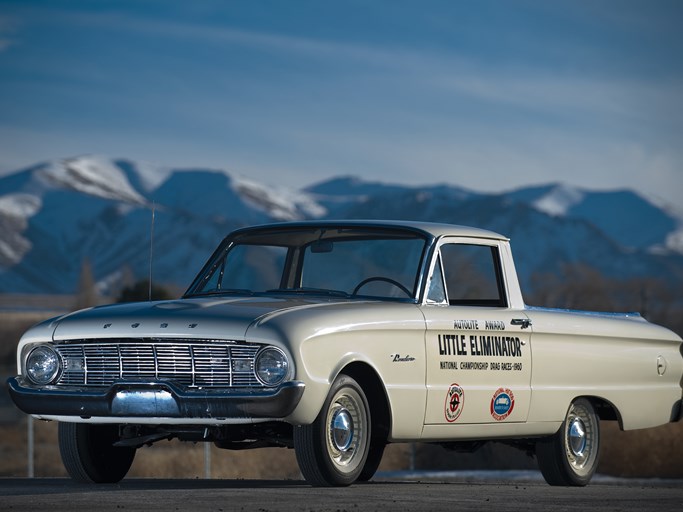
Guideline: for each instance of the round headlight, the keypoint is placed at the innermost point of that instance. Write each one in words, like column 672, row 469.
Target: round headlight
column 271, row 366
column 42, row 365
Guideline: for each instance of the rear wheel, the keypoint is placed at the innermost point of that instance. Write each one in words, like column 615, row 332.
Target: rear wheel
column 89, row 454
column 570, row 456
column 333, row 450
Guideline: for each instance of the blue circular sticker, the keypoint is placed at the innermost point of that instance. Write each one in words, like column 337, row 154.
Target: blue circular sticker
column 502, row 403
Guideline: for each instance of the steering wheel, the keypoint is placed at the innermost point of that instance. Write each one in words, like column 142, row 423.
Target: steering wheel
column 384, row 279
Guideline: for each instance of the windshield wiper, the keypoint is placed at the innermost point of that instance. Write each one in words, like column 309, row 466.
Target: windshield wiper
column 225, row 291
column 311, row 291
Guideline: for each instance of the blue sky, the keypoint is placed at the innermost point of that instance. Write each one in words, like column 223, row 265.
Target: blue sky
column 489, row 95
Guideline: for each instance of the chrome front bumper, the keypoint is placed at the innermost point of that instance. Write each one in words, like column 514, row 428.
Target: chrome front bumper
column 157, row 400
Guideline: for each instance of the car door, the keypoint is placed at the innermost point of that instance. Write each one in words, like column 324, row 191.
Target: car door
column 478, row 348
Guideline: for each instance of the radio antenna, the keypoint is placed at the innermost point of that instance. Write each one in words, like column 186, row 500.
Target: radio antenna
column 151, row 249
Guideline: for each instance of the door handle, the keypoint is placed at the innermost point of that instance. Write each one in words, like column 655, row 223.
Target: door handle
column 524, row 323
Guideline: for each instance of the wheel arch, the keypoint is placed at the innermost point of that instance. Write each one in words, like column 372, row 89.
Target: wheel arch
column 605, row 409
column 374, row 390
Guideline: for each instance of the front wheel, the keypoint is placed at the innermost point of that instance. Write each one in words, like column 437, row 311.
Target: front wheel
column 89, row 454
column 332, row 451
column 375, row 454
column 570, row 456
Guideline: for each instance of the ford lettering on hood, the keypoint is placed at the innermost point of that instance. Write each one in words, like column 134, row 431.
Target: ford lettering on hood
column 192, row 318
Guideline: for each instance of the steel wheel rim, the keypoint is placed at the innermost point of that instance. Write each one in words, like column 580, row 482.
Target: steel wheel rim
column 581, row 449
column 346, row 430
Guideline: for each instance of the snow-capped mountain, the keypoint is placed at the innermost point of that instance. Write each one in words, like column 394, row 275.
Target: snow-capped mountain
column 56, row 215
column 623, row 215
column 620, row 233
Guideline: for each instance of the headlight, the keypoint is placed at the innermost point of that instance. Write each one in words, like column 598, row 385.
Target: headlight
column 42, row 365
column 271, row 366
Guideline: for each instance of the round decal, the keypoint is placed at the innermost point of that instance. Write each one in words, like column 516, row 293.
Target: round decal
column 455, row 401
column 502, row 403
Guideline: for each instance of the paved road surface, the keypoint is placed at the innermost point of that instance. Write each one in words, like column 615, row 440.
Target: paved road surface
column 386, row 494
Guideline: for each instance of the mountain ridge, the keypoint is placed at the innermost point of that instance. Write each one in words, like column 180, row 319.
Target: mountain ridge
column 56, row 215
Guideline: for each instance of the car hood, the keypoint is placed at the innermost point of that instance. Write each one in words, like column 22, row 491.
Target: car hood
column 199, row 318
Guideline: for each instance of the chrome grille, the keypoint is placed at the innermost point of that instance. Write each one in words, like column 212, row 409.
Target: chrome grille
column 188, row 363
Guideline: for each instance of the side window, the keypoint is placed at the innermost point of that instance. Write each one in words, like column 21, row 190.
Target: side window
column 435, row 292
column 473, row 275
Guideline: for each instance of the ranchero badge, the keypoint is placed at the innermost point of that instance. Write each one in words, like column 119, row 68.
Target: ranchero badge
column 455, row 402
column 398, row 358
column 502, row 403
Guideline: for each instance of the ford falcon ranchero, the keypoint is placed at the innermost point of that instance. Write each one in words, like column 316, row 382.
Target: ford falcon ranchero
column 336, row 338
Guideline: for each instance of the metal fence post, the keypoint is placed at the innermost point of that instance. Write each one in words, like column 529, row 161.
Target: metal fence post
column 31, row 447
column 207, row 460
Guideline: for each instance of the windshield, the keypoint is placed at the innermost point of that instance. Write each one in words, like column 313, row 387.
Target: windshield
column 348, row 262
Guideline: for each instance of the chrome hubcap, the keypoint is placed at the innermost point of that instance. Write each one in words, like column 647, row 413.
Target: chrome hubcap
column 342, row 430
column 577, row 437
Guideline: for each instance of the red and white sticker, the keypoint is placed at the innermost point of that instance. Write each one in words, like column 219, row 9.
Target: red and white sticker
column 455, row 402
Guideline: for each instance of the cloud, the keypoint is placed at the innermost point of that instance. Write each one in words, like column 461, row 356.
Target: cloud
column 7, row 26
column 454, row 75
column 340, row 106
column 182, row 31
column 544, row 90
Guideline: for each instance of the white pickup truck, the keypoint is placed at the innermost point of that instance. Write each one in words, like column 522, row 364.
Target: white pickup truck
column 337, row 337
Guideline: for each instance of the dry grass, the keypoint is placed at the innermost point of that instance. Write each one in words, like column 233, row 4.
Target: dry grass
column 654, row 452
column 166, row 459
column 644, row 453
column 13, row 449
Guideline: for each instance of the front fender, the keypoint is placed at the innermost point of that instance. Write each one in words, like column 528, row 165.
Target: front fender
column 325, row 338
column 400, row 365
